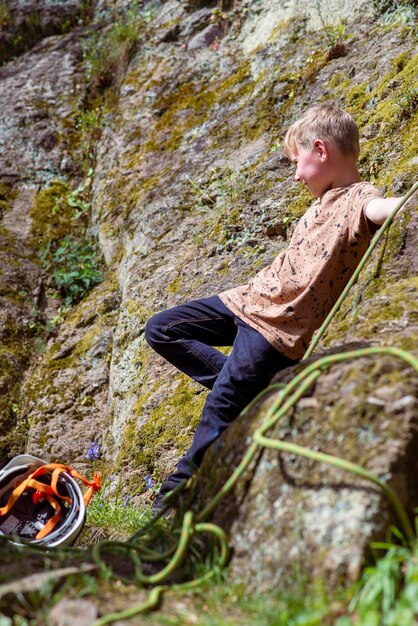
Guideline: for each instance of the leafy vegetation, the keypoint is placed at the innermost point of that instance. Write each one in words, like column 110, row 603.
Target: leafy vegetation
column 59, row 221
column 110, row 515
column 106, row 54
column 388, row 590
column 88, row 125
column 75, row 267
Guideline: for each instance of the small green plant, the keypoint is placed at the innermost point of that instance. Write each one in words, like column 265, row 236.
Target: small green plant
column 89, row 124
column 5, row 16
column 33, row 20
column 107, row 54
column 75, row 267
column 335, row 35
column 387, row 593
column 113, row 516
column 408, row 103
column 41, row 330
column 79, row 198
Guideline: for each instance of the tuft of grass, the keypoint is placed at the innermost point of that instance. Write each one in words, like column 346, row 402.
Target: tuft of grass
column 408, row 103
column 112, row 517
column 387, row 593
column 106, row 54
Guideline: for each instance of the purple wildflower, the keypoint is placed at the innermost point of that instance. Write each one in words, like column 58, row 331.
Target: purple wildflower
column 93, row 452
column 126, row 500
column 149, row 481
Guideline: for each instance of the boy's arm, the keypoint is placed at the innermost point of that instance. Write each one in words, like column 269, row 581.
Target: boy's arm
column 380, row 208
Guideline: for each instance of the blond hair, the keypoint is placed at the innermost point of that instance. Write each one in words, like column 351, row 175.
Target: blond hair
column 323, row 121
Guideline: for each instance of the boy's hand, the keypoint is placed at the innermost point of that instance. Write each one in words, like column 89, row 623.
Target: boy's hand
column 380, row 208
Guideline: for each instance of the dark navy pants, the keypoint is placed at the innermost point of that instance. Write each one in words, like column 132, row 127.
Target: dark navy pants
column 185, row 336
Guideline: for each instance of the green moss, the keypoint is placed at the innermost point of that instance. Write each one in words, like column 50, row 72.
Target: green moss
column 51, row 213
column 136, row 309
column 175, row 285
column 7, row 193
column 47, row 380
column 280, row 28
column 385, row 309
column 358, row 96
column 398, row 299
column 3, row 207
column 170, row 424
column 12, row 440
column 15, row 353
column 190, row 106
column 339, row 79
column 392, row 107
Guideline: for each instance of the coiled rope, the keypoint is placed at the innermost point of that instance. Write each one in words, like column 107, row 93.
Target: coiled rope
column 287, row 397
column 194, row 525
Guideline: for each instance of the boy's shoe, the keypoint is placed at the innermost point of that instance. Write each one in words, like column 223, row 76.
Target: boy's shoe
column 166, row 499
column 162, row 499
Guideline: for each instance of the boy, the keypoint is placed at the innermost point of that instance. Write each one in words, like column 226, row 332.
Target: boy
column 270, row 321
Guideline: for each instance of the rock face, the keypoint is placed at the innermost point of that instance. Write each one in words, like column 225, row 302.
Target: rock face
column 39, row 96
column 169, row 119
column 26, row 22
column 297, row 515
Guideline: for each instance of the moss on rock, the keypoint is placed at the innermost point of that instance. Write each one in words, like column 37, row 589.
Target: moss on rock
column 169, row 424
column 51, row 214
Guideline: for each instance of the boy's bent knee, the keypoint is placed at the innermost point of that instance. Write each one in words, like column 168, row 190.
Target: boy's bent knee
column 153, row 329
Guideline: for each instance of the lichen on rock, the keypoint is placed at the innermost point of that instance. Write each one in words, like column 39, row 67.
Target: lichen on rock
column 191, row 194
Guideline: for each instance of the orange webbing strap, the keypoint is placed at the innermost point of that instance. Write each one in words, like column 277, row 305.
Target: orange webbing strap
column 53, row 521
column 50, row 492
column 93, row 485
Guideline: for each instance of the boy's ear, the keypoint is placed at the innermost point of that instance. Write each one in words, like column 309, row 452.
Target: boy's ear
column 320, row 148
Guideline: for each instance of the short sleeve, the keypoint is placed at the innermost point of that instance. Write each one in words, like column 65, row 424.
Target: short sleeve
column 359, row 225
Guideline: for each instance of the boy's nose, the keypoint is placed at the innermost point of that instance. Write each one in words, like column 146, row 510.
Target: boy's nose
column 297, row 178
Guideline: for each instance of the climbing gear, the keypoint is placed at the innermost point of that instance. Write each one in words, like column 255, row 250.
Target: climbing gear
column 286, row 399
column 42, row 503
column 194, row 525
column 378, row 236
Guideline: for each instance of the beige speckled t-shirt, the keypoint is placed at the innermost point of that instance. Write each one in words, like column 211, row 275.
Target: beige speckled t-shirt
column 286, row 302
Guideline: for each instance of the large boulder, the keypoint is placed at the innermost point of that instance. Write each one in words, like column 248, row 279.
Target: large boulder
column 288, row 514
column 191, row 194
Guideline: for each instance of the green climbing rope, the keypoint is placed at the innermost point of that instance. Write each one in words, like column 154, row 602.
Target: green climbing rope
column 187, row 531
column 287, row 397
column 359, row 268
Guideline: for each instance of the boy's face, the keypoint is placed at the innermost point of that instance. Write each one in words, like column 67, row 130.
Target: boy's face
column 312, row 170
